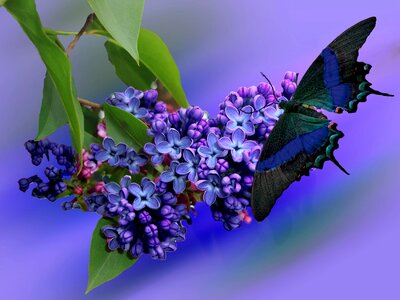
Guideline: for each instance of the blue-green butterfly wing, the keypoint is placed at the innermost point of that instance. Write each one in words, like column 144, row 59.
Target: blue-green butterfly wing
column 299, row 141
column 336, row 81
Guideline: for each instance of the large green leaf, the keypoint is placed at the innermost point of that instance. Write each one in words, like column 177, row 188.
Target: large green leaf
column 154, row 54
column 105, row 265
column 2, row 2
column 122, row 20
column 57, row 63
column 125, row 127
column 127, row 69
column 155, row 59
column 52, row 114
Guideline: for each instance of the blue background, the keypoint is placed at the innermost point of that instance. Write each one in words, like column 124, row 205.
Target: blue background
column 330, row 236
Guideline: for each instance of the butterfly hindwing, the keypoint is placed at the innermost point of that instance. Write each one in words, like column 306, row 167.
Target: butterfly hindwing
column 336, row 81
column 300, row 140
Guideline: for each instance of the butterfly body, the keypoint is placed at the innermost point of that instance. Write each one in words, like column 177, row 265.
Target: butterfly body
column 304, row 138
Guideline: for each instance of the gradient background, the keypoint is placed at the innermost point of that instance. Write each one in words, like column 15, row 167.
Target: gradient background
column 331, row 236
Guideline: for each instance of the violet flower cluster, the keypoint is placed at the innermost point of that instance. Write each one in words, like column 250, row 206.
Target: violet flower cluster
column 54, row 184
column 212, row 159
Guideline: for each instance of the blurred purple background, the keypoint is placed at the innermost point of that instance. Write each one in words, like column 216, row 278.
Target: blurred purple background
column 331, row 236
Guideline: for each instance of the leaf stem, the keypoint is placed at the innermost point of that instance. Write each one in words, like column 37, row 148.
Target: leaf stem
column 89, row 20
column 89, row 103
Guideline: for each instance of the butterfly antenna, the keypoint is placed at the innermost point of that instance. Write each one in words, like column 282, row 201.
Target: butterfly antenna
column 273, row 90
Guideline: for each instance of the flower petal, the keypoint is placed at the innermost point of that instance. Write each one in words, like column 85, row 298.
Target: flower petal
column 232, row 113
column 259, row 102
column 108, row 143
column 164, row 147
column 188, row 155
column 209, row 197
column 183, row 169
column 238, row 136
column 185, row 142
column 173, row 136
column 248, row 128
column 141, row 113
column 149, row 187
column 212, row 139
column 150, row 148
column 225, row 143
column 102, row 155
column 153, row 203
column 138, row 204
column 211, row 162
column 249, row 145
column 203, row 185
column 179, row 184
column 204, row 151
column 237, row 155
column 135, row 189
column 121, row 149
column 167, row 176
column 113, row 198
column 113, row 187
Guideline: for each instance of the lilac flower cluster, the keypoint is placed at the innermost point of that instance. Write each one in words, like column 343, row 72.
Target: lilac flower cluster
column 120, row 156
column 149, row 218
column 212, row 157
column 54, row 185
column 218, row 155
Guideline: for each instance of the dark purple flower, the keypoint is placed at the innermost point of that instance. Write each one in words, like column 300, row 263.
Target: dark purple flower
column 174, row 144
column 125, row 212
column 239, row 119
column 290, row 75
column 117, row 192
column 212, row 187
column 144, row 195
column 234, row 99
column 111, row 152
column 231, row 184
column 195, row 113
column 289, row 87
column 237, row 145
column 133, row 161
column 171, row 175
column 150, row 97
column 117, row 237
column 195, row 131
column 264, row 89
column 151, row 149
column 145, row 217
column 169, row 198
column 129, row 101
column 251, row 157
column 222, row 165
column 212, row 151
column 190, row 166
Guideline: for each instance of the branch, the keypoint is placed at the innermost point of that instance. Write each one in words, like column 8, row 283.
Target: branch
column 89, row 20
column 89, row 103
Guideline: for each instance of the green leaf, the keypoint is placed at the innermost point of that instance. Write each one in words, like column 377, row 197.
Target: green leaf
column 154, row 54
column 2, row 2
column 105, row 265
column 125, row 127
column 155, row 59
column 127, row 69
column 57, row 63
column 52, row 114
column 121, row 20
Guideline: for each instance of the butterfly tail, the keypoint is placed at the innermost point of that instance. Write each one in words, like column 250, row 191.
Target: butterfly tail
column 361, row 87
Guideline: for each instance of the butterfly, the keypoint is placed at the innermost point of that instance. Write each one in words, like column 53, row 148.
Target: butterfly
column 305, row 138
